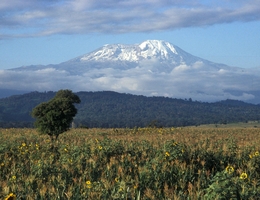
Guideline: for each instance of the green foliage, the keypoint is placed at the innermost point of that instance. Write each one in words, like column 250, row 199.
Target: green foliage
column 55, row 116
column 229, row 185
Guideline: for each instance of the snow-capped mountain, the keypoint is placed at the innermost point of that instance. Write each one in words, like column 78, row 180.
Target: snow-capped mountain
column 156, row 52
column 153, row 67
column 150, row 49
column 160, row 55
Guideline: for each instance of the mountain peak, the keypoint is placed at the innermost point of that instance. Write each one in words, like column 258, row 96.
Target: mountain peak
column 133, row 53
column 158, row 46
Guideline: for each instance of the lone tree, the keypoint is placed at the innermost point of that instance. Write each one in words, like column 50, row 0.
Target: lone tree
column 55, row 116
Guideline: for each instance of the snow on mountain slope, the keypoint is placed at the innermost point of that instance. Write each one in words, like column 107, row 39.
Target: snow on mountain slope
column 150, row 49
column 153, row 67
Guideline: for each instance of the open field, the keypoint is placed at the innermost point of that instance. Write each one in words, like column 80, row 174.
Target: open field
column 142, row 163
column 250, row 124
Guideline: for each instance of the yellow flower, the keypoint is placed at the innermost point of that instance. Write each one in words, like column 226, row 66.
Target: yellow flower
column 100, row 147
column 2, row 164
column 250, row 156
column 229, row 169
column 65, row 149
column 167, row 153
column 11, row 196
column 88, row 183
column 14, row 177
column 23, row 144
column 257, row 153
column 116, row 179
column 243, row 176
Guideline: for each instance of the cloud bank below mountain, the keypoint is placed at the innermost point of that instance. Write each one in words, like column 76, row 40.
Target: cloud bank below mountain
column 182, row 82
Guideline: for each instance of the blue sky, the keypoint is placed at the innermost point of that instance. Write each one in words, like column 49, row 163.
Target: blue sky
column 52, row 31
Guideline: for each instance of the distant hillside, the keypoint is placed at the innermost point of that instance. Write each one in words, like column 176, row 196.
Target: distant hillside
column 112, row 109
column 7, row 92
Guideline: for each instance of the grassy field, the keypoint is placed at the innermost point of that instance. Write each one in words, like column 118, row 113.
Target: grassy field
column 205, row 162
column 250, row 124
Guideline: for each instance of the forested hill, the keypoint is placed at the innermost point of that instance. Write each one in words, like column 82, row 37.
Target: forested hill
column 111, row 109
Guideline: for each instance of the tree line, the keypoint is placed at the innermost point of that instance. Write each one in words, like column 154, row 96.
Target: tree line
column 109, row 109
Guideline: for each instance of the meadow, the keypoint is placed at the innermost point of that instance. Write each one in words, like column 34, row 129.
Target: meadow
column 139, row 163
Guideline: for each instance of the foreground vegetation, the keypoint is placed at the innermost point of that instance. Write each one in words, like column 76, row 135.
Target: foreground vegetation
column 140, row 163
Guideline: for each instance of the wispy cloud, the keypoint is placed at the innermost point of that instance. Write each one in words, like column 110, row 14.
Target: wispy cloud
column 25, row 18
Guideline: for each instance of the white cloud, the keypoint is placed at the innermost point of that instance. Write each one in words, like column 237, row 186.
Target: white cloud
column 183, row 82
column 34, row 18
column 181, row 68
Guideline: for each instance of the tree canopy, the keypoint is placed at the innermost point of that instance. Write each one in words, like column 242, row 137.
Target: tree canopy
column 55, row 116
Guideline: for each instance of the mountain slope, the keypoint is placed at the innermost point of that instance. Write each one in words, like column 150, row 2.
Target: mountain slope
column 151, row 68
